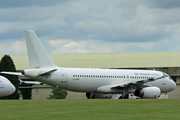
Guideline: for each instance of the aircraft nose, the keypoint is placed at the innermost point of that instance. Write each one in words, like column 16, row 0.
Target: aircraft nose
column 9, row 89
column 13, row 89
column 174, row 85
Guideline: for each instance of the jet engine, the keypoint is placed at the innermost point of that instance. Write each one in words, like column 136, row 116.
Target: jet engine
column 98, row 96
column 148, row 92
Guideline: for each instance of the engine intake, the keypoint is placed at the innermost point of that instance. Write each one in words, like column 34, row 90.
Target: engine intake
column 148, row 92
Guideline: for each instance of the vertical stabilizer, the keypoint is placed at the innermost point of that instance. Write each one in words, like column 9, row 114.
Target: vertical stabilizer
column 38, row 56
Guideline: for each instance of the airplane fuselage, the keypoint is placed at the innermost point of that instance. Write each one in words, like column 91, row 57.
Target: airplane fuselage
column 89, row 80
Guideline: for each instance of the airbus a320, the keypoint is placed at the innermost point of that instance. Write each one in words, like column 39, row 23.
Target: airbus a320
column 97, row 83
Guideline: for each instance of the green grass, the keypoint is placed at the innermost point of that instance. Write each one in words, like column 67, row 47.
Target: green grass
column 139, row 109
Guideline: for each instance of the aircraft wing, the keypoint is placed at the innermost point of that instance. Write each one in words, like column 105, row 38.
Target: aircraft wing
column 135, row 84
column 31, row 82
column 13, row 73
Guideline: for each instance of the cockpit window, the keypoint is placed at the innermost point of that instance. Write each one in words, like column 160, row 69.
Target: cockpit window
column 166, row 75
column 169, row 77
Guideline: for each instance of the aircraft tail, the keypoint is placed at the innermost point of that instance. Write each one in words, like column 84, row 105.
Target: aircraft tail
column 38, row 56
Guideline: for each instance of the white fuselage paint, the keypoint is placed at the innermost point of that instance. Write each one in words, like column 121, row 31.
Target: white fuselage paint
column 6, row 87
column 89, row 80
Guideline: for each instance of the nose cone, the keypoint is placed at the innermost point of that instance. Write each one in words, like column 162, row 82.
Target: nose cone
column 12, row 89
column 6, row 87
column 9, row 89
column 173, row 85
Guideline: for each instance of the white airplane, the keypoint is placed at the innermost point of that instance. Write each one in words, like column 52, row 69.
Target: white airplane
column 97, row 83
column 6, row 87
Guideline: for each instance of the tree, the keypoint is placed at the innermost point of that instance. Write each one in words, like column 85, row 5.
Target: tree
column 26, row 92
column 57, row 93
column 7, row 64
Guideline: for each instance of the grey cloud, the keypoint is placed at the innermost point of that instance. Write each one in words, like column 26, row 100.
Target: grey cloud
column 11, row 35
column 25, row 3
column 165, row 4
column 84, row 20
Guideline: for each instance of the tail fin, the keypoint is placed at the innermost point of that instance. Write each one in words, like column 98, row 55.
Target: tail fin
column 38, row 56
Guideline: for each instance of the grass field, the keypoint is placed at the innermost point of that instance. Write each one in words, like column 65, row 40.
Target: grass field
column 140, row 109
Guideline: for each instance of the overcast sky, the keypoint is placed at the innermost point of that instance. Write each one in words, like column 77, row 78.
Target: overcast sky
column 91, row 26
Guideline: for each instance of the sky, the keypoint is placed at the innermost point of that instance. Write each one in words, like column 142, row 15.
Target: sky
column 91, row 26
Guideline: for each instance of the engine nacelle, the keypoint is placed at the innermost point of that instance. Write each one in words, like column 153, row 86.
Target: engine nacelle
column 98, row 96
column 148, row 92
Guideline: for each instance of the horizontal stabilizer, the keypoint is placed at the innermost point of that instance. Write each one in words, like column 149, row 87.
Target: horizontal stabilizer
column 46, row 72
column 13, row 73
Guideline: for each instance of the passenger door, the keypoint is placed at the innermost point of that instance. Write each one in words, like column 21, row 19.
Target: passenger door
column 64, row 76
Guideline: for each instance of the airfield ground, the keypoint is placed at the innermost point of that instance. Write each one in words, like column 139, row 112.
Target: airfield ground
column 139, row 109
